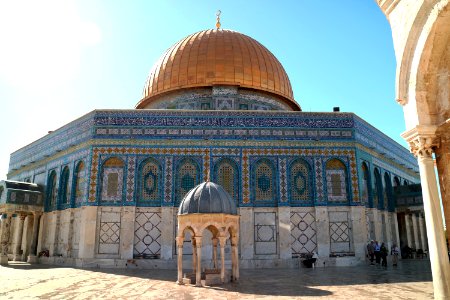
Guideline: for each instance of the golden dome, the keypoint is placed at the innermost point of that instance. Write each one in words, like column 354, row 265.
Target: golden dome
column 218, row 57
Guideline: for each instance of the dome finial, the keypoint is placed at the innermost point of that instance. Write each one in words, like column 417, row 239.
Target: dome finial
column 218, row 19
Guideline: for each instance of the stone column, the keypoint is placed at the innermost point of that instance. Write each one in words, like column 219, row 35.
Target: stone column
column 198, row 275
column 422, row 142
column 408, row 230
column 4, row 238
column 194, row 255
column 215, row 241
column 180, row 241
column 18, row 237
column 223, row 241
column 234, row 247
column 415, row 231
column 423, row 237
column 32, row 258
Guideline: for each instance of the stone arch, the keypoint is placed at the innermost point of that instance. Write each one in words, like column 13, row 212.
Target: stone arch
column 64, row 197
column 78, row 184
column 378, row 199
column 366, row 184
column 51, row 191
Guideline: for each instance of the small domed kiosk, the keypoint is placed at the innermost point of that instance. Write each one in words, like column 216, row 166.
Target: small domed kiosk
column 208, row 207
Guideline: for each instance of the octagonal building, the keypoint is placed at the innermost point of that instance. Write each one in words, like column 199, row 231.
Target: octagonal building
column 216, row 106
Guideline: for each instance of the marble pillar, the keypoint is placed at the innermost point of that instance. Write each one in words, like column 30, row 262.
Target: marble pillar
column 4, row 238
column 409, row 236
column 127, row 232
column 18, row 235
column 180, row 242
column 284, row 225
column 215, row 241
column 32, row 258
column 198, row 274
column 246, row 224
column 423, row 234
column 440, row 265
column 223, row 241
column 194, row 256
column 167, row 232
column 415, row 231
column 323, row 231
column 88, row 230
column 358, row 219
column 234, row 249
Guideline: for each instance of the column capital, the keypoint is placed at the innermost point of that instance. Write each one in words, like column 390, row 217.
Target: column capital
column 180, row 241
column 198, row 241
column 422, row 140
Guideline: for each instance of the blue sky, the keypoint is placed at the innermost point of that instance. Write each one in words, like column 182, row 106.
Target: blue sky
column 62, row 59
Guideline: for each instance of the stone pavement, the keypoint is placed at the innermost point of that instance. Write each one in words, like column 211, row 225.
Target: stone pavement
column 410, row 280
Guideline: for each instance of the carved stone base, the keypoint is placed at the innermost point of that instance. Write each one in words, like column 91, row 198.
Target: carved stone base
column 33, row 259
column 3, row 259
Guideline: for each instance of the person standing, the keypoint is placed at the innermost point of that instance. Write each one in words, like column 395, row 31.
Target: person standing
column 384, row 254
column 395, row 251
column 377, row 252
column 370, row 251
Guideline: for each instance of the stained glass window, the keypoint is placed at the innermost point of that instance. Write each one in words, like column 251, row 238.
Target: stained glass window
column 299, row 181
column 264, row 181
column 80, row 182
column 336, row 181
column 64, row 186
column 378, row 190
column 112, row 177
column 150, row 181
column 187, row 177
column 51, row 190
column 226, row 175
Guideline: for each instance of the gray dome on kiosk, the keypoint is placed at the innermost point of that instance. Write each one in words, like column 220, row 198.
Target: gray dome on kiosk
column 207, row 198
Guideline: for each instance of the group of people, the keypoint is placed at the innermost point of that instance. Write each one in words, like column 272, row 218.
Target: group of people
column 379, row 253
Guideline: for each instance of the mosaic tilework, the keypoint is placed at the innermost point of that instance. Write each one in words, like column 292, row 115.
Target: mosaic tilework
column 392, row 170
column 300, row 184
column 263, row 181
column 112, row 185
column 80, row 183
column 52, row 190
column 187, row 176
column 168, row 179
column 149, row 183
column 64, row 191
column 320, row 193
column 147, row 235
column 303, row 232
column 130, row 178
column 282, row 170
column 226, row 174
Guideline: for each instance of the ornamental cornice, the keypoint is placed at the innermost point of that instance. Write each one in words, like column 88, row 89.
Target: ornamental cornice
column 422, row 140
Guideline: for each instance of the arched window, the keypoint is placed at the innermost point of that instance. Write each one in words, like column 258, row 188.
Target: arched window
column 51, row 191
column 405, row 182
column 300, row 182
column 64, row 187
column 365, row 188
column 226, row 174
column 396, row 181
column 112, row 180
column 336, row 174
column 79, row 184
column 389, row 200
column 378, row 190
column 264, row 189
column 150, row 181
column 187, row 177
